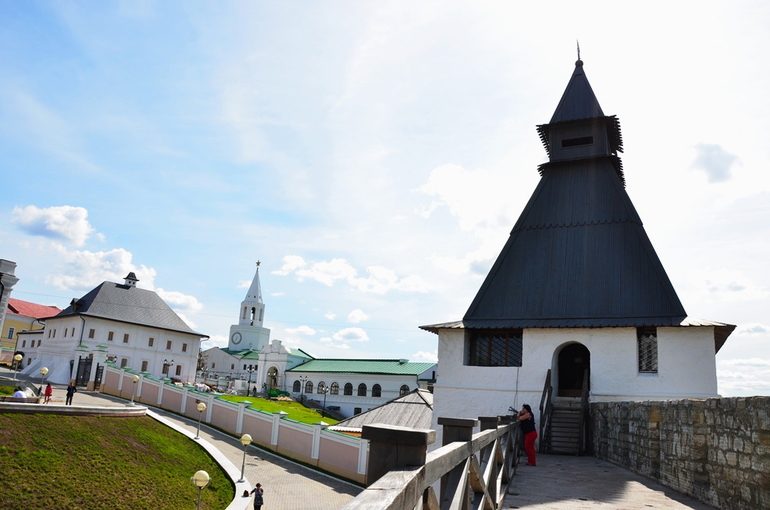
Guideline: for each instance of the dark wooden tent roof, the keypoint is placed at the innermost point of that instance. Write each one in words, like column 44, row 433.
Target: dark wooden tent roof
column 578, row 256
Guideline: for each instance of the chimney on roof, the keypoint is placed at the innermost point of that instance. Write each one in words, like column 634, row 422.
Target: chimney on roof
column 131, row 280
column 403, row 361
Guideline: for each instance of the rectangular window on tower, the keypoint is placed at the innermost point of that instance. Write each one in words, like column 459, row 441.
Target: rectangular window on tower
column 647, row 347
column 110, row 336
column 144, row 366
column 179, row 370
column 11, row 331
column 494, row 348
column 91, row 333
column 151, row 342
column 125, row 338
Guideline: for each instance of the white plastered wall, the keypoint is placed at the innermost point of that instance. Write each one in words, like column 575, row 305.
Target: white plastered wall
column 686, row 369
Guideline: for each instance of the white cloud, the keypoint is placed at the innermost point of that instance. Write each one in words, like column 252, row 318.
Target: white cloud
column 301, row 330
column 63, row 223
column 344, row 337
column 714, row 161
column 331, row 343
column 178, row 300
column 424, row 356
column 479, row 199
column 357, row 316
column 86, row 269
column 751, row 328
column 291, row 263
column 726, row 285
column 330, row 315
column 744, row 377
column 215, row 341
column 244, row 284
column 327, row 272
column 380, row 280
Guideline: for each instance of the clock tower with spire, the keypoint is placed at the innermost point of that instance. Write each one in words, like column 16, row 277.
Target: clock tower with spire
column 249, row 332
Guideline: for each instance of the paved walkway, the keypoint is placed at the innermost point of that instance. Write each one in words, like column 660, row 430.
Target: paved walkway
column 561, row 482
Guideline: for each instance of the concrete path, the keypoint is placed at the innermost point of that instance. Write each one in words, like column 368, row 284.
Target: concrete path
column 561, row 482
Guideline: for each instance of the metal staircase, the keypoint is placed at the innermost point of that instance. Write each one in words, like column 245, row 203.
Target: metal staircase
column 563, row 421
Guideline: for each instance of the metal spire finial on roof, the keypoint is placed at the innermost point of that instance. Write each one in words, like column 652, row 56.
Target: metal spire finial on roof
column 258, row 263
column 579, row 62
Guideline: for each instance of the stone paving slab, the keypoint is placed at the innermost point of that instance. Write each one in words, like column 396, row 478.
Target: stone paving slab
column 561, row 482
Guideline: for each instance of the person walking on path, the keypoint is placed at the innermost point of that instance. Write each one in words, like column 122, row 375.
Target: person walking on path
column 527, row 422
column 258, row 492
column 48, row 393
column 71, row 389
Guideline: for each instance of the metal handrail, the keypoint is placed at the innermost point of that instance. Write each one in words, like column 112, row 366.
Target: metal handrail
column 546, row 409
column 583, row 434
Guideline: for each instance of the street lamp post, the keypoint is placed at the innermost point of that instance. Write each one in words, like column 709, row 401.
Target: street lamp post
column 302, row 381
column 43, row 373
column 201, row 407
column 323, row 410
column 134, row 380
column 245, row 441
column 200, row 479
column 250, row 370
column 17, row 358
column 167, row 366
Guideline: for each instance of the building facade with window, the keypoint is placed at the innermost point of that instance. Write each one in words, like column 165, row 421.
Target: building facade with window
column 577, row 292
column 353, row 386
column 22, row 317
column 252, row 361
column 118, row 323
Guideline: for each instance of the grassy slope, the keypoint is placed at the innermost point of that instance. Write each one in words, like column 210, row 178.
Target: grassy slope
column 295, row 410
column 85, row 462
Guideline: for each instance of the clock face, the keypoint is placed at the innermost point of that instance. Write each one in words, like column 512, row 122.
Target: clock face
column 237, row 337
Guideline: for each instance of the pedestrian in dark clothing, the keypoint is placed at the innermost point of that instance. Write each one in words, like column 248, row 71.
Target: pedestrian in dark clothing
column 527, row 422
column 258, row 492
column 71, row 389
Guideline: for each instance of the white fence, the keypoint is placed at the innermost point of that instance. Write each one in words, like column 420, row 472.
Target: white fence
column 342, row 455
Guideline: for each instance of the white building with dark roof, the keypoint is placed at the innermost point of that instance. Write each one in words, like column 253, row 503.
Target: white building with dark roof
column 121, row 323
column 577, row 302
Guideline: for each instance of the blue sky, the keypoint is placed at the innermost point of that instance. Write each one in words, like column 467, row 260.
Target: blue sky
column 373, row 155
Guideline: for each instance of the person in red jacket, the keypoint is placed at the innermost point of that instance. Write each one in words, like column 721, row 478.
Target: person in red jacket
column 48, row 393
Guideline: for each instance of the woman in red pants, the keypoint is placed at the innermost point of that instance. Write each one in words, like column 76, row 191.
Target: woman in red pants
column 527, row 422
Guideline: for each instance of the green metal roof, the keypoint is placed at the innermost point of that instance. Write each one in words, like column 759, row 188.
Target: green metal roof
column 368, row 366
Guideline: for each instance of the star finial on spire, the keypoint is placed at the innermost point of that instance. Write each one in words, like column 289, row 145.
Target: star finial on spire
column 258, row 263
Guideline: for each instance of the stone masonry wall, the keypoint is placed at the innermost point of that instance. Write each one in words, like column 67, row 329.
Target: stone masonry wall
column 715, row 450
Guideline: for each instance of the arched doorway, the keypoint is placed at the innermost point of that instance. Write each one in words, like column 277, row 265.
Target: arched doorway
column 574, row 360
column 272, row 378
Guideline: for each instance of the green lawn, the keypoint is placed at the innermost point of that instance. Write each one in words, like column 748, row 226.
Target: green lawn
column 295, row 410
column 89, row 462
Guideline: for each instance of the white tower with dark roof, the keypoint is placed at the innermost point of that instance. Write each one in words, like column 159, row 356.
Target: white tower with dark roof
column 249, row 332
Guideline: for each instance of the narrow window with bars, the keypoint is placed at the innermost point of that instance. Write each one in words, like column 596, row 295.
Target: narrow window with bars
column 647, row 346
column 495, row 348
